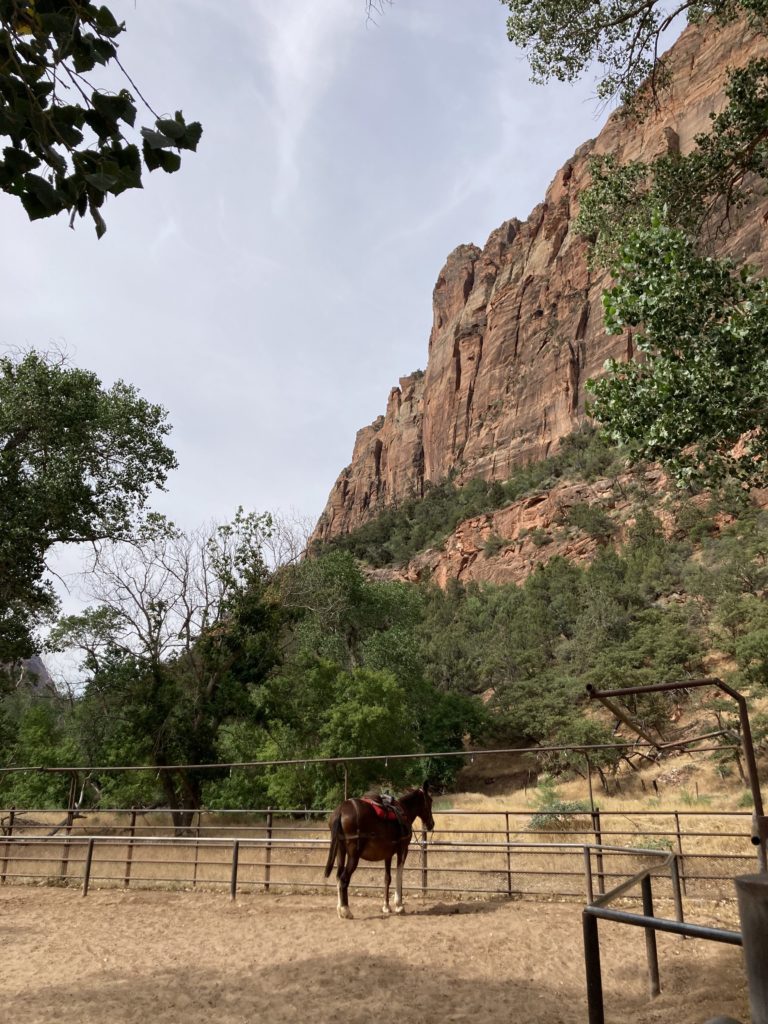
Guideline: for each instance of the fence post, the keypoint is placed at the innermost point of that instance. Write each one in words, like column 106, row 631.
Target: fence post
column 674, row 869
column 129, row 852
column 589, row 781
column 87, row 868
column 197, row 850
column 654, row 984
column 233, row 877
column 592, row 966
column 752, row 892
column 509, row 857
column 424, row 866
column 596, row 829
column 588, row 875
column 679, row 835
column 65, row 852
column 268, row 851
column 7, row 852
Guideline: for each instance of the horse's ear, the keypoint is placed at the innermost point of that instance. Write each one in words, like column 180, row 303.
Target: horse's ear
column 426, row 787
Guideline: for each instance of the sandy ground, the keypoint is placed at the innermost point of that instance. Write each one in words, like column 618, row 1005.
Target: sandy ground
column 183, row 958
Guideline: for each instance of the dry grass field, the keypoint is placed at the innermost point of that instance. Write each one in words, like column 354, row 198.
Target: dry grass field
column 182, row 958
column 467, row 854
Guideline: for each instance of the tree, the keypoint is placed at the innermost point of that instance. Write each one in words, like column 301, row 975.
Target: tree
column 287, row 540
column 701, row 387
column 38, row 731
column 564, row 38
column 181, row 635
column 77, row 463
column 653, row 224
column 72, row 145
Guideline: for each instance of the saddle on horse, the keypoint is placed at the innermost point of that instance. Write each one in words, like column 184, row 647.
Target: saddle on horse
column 389, row 809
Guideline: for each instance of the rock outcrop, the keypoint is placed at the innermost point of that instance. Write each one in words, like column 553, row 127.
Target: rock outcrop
column 506, row 546
column 517, row 325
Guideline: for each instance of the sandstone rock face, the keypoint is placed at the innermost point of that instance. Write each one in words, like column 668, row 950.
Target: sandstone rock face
column 531, row 531
column 517, row 325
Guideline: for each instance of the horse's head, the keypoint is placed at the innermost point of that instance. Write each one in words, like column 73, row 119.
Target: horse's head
column 425, row 808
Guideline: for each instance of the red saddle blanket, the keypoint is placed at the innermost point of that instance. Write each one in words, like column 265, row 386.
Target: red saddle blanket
column 386, row 811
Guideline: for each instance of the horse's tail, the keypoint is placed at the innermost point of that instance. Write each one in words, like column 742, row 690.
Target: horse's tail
column 336, row 831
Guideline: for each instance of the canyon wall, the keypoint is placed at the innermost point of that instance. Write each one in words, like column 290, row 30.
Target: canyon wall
column 517, row 326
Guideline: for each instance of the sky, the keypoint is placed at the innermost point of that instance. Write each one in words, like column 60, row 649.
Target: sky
column 272, row 292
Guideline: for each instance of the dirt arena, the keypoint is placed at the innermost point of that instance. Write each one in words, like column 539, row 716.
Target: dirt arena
column 183, row 958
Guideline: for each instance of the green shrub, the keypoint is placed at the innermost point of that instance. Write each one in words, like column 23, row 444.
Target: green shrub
column 554, row 814
column 652, row 843
column 540, row 537
column 692, row 522
column 494, row 544
column 694, row 799
column 592, row 520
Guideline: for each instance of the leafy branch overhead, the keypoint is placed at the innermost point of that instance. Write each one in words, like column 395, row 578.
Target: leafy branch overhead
column 624, row 38
column 72, row 144
column 695, row 401
column 698, row 191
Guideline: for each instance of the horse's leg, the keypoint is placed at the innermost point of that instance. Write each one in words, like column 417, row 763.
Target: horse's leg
column 341, row 860
column 401, row 855
column 345, row 873
column 387, row 880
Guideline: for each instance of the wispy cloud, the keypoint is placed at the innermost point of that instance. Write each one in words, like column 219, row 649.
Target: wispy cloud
column 304, row 44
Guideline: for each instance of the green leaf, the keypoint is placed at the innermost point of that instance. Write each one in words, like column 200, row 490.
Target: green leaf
column 98, row 220
column 107, row 23
column 155, row 140
column 103, row 182
column 171, row 128
column 44, row 192
column 192, row 136
column 18, row 161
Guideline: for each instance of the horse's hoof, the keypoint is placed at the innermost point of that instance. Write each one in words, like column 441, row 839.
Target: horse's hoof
column 400, row 909
column 386, row 909
column 345, row 913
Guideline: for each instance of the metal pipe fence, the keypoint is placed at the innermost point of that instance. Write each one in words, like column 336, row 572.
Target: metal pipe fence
column 484, row 853
column 598, row 908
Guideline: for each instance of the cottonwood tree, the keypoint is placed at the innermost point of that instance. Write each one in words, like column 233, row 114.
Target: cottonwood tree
column 181, row 633
column 564, row 39
column 699, row 386
column 72, row 144
column 697, row 402
column 78, row 462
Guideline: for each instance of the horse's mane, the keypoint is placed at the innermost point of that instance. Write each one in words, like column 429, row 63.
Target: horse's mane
column 410, row 792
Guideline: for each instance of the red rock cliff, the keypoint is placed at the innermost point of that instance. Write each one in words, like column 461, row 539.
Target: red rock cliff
column 517, row 325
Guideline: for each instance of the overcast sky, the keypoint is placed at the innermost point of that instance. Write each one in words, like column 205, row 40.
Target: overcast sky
column 271, row 292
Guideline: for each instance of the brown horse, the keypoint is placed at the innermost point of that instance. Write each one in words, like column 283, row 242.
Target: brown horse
column 361, row 830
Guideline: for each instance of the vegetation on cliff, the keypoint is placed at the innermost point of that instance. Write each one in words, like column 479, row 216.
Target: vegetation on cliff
column 402, row 530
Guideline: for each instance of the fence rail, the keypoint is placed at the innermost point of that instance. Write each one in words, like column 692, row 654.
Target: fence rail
column 598, row 908
column 492, row 853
